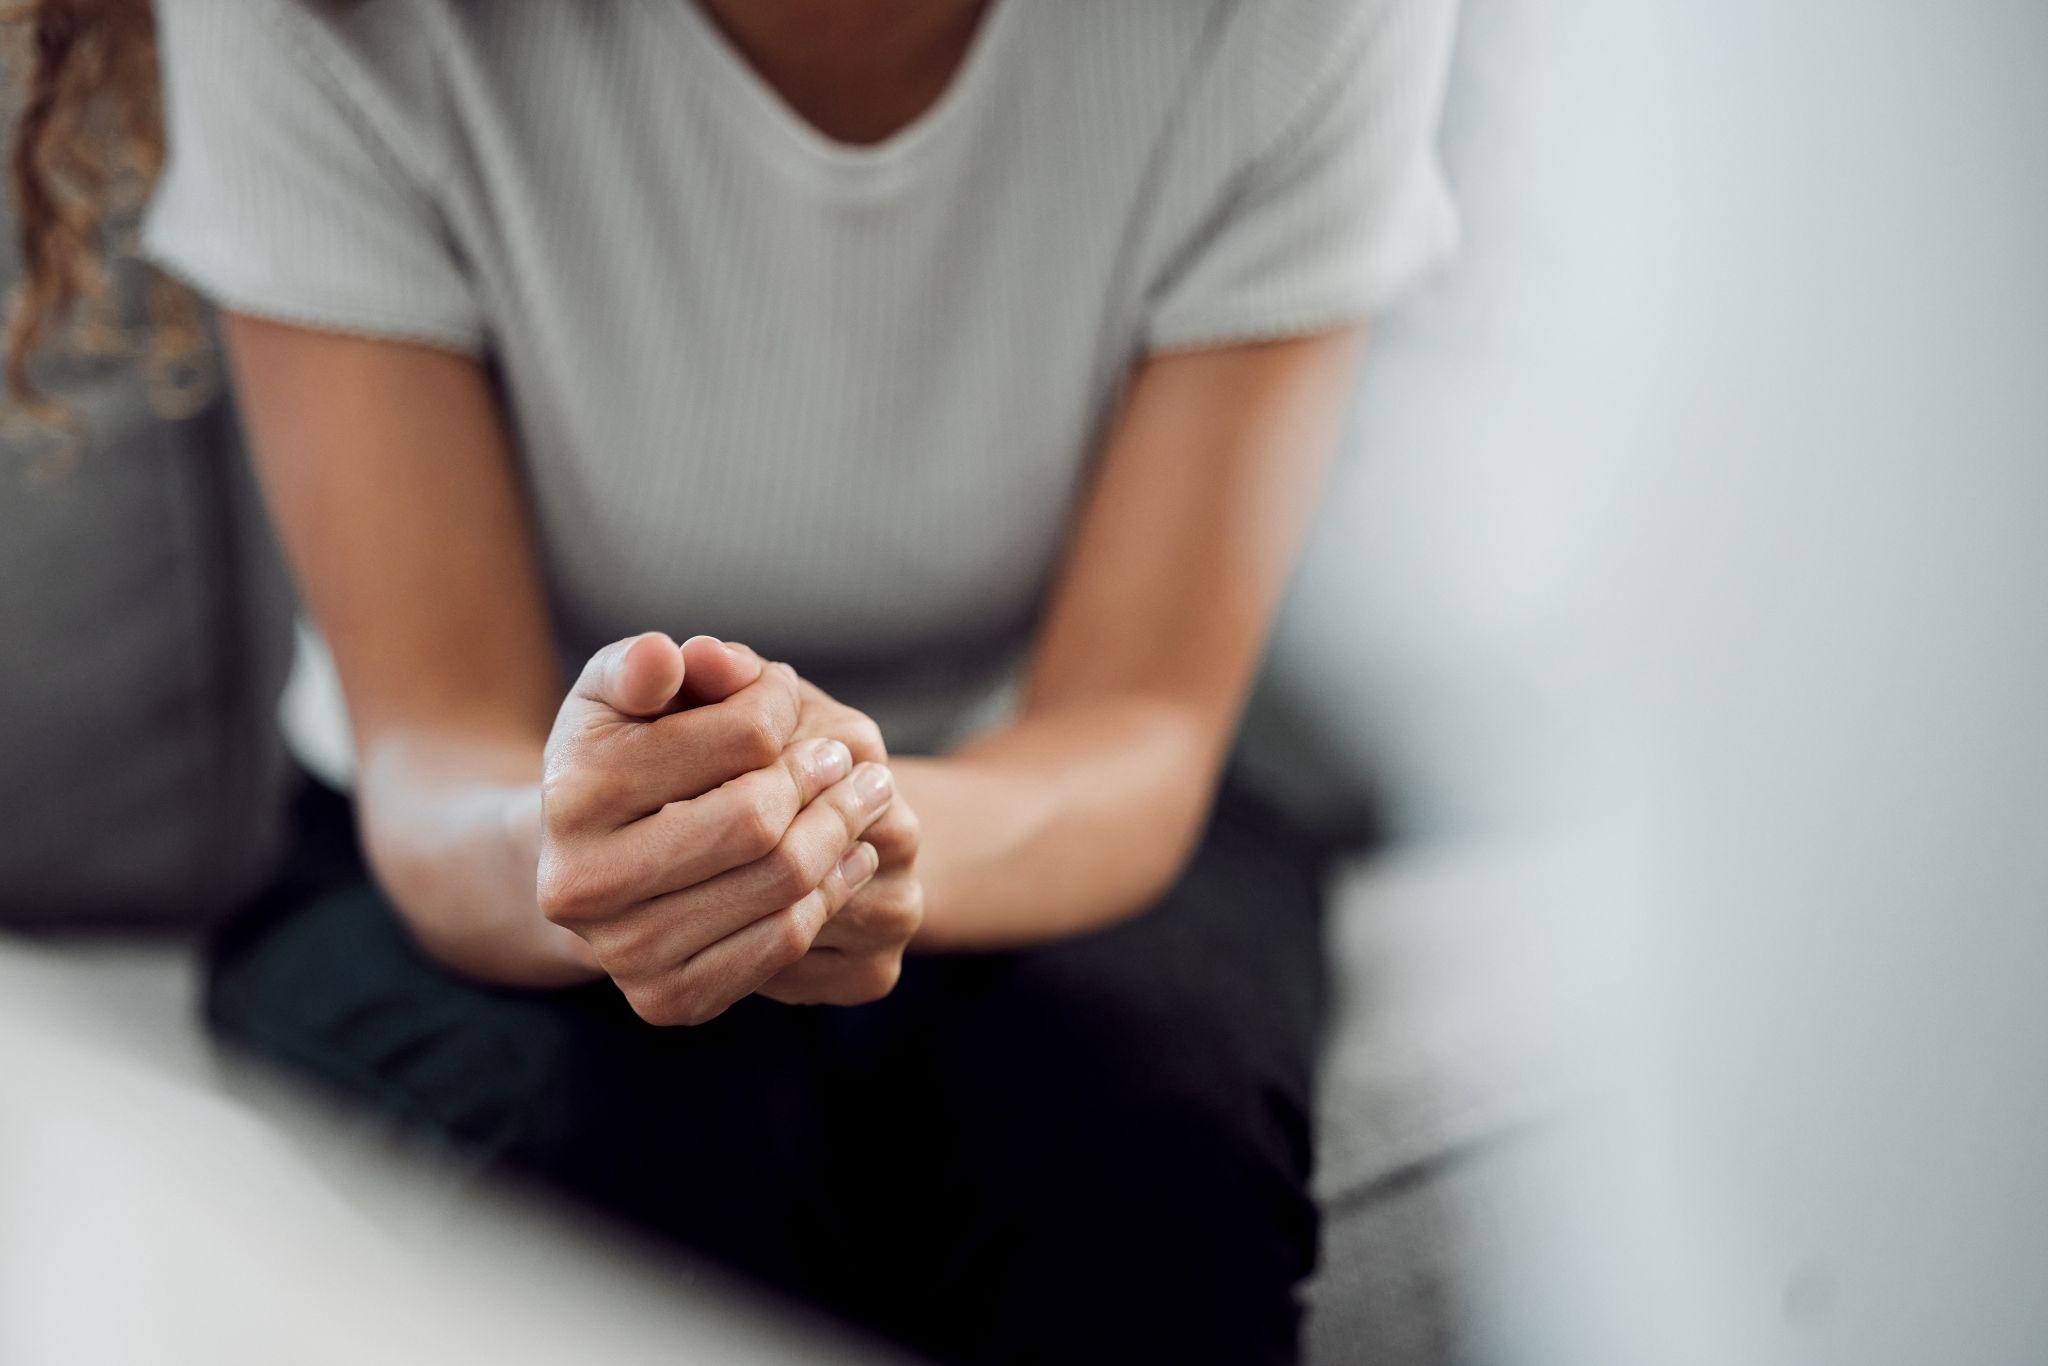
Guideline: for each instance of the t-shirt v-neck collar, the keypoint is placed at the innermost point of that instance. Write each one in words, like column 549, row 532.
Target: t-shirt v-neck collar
column 787, row 133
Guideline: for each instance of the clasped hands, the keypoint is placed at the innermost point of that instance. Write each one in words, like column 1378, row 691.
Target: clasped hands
column 713, row 826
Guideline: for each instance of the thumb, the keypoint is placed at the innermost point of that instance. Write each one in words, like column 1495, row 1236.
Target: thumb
column 717, row 669
column 638, row 676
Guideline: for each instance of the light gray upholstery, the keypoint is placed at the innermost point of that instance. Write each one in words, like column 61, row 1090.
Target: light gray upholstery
column 1422, row 676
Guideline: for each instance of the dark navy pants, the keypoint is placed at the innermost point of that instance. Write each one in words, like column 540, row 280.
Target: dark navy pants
column 1093, row 1151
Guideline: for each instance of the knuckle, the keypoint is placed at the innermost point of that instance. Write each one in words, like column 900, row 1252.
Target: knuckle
column 573, row 891
column 869, row 977
column 853, row 819
column 652, row 1002
column 569, row 796
column 759, row 735
column 897, row 835
column 624, row 948
column 788, row 873
column 889, row 914
column 652, row 1008
column 903, row 914
column 671, row 1003
column 883, row 972
column 780, row 693
column 789, row 941
column 698, row 1009
column 757, row 827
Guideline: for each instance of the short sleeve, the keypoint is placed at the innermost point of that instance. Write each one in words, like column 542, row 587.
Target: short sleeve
column 1340, row 202
column 280, row 197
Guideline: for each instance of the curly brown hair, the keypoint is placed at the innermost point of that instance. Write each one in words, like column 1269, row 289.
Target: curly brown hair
column 88, row 144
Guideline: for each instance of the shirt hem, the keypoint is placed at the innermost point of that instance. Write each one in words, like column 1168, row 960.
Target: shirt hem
column 235, row 296
column 1276, row 319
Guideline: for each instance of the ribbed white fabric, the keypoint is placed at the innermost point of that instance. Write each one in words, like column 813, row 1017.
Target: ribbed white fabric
column 834, row 401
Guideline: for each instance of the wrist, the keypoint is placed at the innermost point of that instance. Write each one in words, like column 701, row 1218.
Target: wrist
column 457, row 854
column 980, row 819
column 1041, row 836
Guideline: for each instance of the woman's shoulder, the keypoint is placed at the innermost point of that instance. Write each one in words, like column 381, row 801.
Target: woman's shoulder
column 1255, row 63
column 1270, row 52
column 346, row 68
column 332, row 40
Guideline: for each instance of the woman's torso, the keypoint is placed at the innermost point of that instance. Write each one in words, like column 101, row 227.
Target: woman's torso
column 836, row 401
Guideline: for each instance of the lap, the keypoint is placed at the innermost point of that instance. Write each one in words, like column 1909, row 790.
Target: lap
column 569, row 1086
column 801, row 1142
column 1117, row 1124
column 1205, row 1006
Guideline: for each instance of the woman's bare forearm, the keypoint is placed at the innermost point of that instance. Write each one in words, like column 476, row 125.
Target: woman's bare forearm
column 389, row 474
column 451, row 826
column 1059, row 824
column 1085, row 809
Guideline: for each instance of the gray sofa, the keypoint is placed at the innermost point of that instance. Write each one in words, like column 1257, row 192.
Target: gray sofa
column 147, row 628
column 148, row 578
column 141, row 572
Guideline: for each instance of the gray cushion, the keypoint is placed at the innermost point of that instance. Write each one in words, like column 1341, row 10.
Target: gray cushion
column 146, row 620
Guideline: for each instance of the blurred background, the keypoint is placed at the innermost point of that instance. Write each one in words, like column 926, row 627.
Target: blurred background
column 1677, row 623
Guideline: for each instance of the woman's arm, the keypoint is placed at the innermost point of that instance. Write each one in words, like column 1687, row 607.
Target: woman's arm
column 389, row 478
column 1084, row 809
column 389, row 474
column 665, row 823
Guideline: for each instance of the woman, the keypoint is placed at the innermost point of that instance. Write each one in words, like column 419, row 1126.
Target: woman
column 919, row 344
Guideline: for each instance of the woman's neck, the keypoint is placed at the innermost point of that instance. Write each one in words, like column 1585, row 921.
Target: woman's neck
column 856, row 70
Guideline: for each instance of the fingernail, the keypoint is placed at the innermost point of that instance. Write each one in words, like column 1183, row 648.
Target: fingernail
column 829, row 761
column 872, row 784
column 859, row 864
column 713, row 639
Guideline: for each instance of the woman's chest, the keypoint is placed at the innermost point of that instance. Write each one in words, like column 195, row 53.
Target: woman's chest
column 857, row 390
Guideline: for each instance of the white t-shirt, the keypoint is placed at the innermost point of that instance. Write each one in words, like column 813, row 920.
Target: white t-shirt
column 836, row 401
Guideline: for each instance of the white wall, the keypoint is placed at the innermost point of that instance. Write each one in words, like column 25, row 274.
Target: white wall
column 1703, row 518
